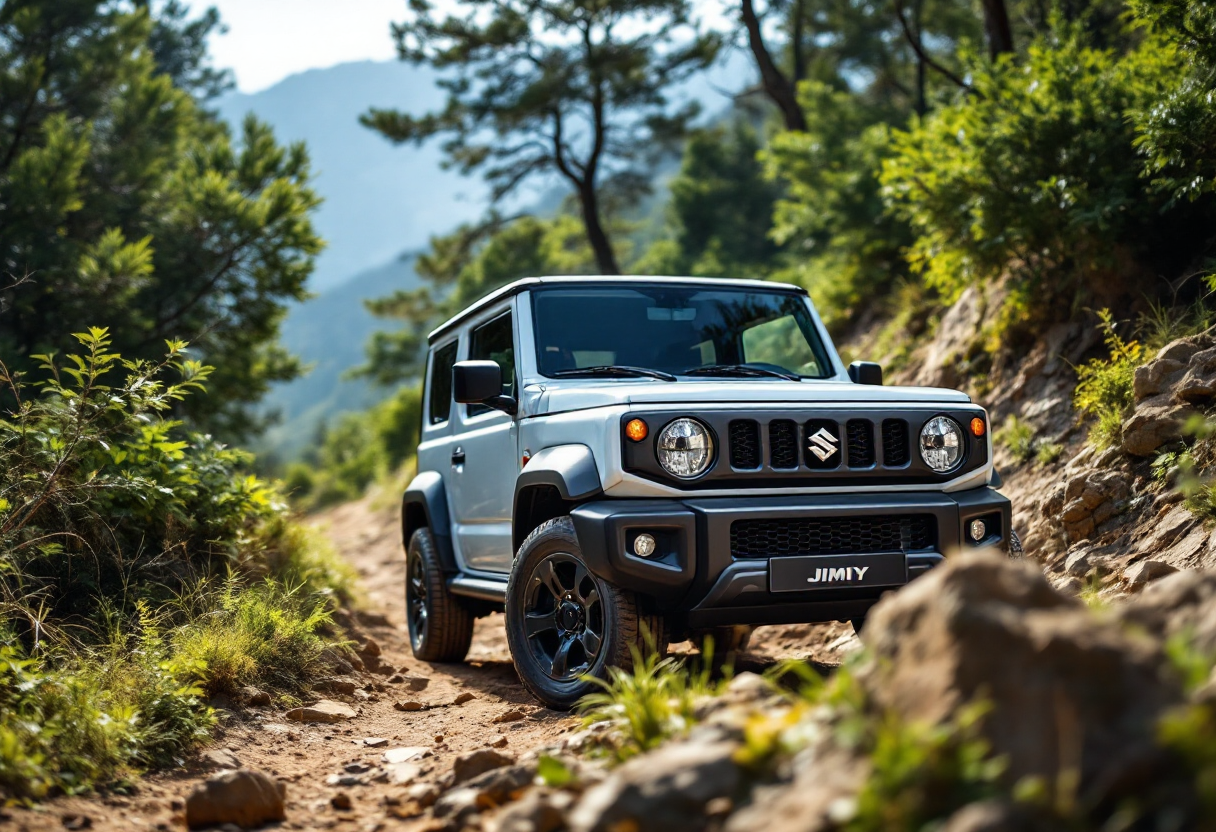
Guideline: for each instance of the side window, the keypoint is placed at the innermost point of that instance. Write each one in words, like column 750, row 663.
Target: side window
column 495, row 341
column 441, row 382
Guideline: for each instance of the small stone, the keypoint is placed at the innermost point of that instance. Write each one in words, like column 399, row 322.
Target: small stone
column 439, row 738
column 1140, row 575
column 255, row 697
column 415, row 683
column 346, row 780
column 404, row 755
column 536, row 811
column 498, row 741
column 375, row 742
column 396, row 679
column 356, row 768
column 221, row 758
column 370, row 648
column 324, row 711
column 401, row 773
column 512, row 715
column 424, row 794
column 341, row 801
column 77, row 821
column 342, row 685
column 468, row 766
column 244, row 797
column 463, row 697
column 409, row 706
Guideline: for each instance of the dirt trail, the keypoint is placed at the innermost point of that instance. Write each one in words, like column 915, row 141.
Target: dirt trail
column 310, row 758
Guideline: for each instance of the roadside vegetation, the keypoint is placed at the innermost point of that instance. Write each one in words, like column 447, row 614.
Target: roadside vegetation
column 142, row 571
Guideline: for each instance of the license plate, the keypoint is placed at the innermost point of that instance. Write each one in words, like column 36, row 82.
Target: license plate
column 800, row 573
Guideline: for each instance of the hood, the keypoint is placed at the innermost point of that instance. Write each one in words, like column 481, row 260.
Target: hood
column 563, row 396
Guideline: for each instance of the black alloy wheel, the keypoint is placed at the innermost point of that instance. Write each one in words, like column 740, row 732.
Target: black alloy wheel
column 564, row 617
column 567, row 627
column 440, row 625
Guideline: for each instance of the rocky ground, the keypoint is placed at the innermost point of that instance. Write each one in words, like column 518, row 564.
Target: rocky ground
column 389, row 733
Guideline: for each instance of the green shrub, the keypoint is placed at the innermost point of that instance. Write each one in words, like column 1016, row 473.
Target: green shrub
column 1105, row 385
column 1018, row 438
column 141, row 567
column 1037, row 179
column 264, row 635
column 653, row 701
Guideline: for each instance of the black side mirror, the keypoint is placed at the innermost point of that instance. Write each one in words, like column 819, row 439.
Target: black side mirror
column 866, row 372
column 480, row 382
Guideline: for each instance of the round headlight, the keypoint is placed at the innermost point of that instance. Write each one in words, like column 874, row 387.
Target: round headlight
column 941, row 444
column 685, row 449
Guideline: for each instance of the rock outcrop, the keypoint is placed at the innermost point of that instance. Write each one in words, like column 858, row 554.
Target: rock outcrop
column 1168, row 389
column 244, row 797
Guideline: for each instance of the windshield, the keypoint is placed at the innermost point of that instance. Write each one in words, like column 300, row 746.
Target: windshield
column 676, row 329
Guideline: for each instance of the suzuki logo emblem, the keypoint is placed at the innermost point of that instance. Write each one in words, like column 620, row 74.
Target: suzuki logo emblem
column 822, row 444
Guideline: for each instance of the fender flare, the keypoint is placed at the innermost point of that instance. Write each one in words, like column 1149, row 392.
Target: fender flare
column 425, row 504
column 570, row 469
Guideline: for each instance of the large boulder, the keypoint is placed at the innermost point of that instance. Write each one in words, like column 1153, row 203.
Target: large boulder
column 1067, row 690
column 244, row 797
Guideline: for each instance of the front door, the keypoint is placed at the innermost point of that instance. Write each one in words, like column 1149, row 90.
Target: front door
column 485, row 459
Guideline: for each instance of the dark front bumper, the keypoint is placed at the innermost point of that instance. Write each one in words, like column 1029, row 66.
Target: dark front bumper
column 695, row 576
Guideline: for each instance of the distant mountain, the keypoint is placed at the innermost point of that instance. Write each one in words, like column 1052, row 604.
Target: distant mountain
column 380, row 199
column 330, row 332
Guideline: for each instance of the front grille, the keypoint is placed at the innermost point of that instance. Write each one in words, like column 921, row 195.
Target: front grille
column 895, row 451
column 783, row 443
column 861, row 443
column 831, row 535
column 745, row 444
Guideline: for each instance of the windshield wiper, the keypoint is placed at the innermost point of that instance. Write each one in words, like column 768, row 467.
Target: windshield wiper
column 745, row 370
column 614, row 370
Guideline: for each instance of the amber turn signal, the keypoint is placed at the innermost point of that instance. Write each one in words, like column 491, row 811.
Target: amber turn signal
column 977, row 426
column 636, row 430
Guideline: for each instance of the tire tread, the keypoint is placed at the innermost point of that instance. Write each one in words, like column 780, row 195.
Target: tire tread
column 450, row 631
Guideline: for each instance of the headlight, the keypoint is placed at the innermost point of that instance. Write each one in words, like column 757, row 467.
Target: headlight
column 685, row 449
column 941, row 444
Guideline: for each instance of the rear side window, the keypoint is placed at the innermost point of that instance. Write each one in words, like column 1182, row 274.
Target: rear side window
column 441, row 382
column 495, row 341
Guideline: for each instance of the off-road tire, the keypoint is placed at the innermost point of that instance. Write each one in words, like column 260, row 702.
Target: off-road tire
column 447, row 632
column 728, row 640
column 625, row 626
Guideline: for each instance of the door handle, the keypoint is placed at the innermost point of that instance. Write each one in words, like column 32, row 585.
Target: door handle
column 458, row 456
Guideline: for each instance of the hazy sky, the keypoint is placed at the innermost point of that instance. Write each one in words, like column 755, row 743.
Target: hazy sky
column 268, row 40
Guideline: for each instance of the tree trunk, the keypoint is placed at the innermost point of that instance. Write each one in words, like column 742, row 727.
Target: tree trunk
column 996, row 24
column 922, row 106
column 776, row 86
column 605, row 257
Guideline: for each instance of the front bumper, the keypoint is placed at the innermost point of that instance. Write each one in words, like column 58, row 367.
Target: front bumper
column 696, row 577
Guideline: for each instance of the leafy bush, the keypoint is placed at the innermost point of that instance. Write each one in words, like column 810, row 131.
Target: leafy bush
column 1105, row 385
column 115, row 524
column 1036, row 177
column 359, row 450
column 1017, row 436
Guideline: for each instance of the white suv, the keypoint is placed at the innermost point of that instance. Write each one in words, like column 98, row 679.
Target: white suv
column 621, row 462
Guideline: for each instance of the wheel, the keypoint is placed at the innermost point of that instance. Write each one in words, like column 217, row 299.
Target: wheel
column 441, row 627
column 1015, row 545
column 565, row 626
column 728, row 641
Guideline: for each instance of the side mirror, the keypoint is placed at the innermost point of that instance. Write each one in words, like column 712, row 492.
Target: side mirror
column 480, row 382
column 866, row 372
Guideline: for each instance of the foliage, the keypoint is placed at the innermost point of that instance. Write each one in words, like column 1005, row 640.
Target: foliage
column 1105, row 385
column 126, row 204
column 115, row 525
column 719, row 209
column 461, row 268
column 1017, row 436
column 653, row 701
column 359, row 450
column 265, row 635
column 1037, row 178
column 564, row 88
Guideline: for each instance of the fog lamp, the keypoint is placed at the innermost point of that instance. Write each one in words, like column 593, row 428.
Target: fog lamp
column 978, row 530
column 644, row 545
